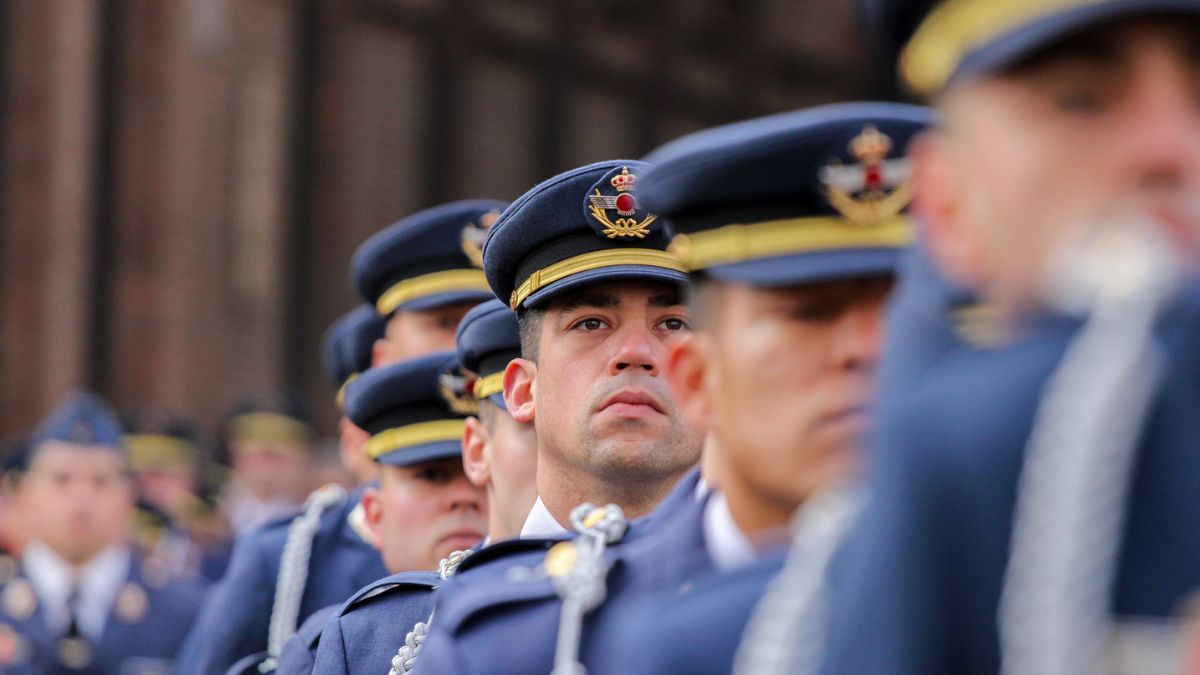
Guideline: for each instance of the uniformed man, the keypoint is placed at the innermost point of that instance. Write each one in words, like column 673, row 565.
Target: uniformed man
column 80, row 599
column 177, row 523
column 424, row 509
column 268, row 436
column 1062, row 186
column 347, row 351
column 792, row 228
column 499, row 455
column 421, row 275
column 598, row 301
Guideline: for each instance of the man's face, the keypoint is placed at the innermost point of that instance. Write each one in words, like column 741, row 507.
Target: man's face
column 410, row 334
column 78, row 500
column 422, row 513
column 788, row 382
column 600, row 400
column 271, row 470
column 1101, row 129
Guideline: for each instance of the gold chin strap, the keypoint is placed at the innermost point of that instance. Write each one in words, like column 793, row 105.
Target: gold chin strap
column 407, row 290
column 958, row 27
column 398, row 438
column 586, row 262
column 739, row 243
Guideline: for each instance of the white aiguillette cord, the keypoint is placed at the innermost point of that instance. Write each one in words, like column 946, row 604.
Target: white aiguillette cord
column 1074, row 484
column 293, row 566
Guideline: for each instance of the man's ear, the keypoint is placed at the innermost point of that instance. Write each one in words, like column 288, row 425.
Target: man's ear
column 937, row 205
column 686, row 371
column 372, row 502
column 519, row 379
column 378, row 352
column 474, row 452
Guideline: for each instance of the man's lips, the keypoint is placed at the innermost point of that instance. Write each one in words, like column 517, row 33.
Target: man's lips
column 632, row 401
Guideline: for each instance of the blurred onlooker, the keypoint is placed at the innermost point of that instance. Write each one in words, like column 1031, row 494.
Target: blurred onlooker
column 269, row 439
column 178, row 524
column 14, row 462
column 81, row 600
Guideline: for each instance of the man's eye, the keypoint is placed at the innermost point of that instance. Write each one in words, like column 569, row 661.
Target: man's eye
column 434, row 475
column 674, row 324
column 817, row 312
column 590, row 325
column 1079, row 102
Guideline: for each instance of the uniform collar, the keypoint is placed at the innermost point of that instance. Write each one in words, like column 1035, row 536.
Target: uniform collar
column 541, row 523
column 97, row 582
column 726, row 545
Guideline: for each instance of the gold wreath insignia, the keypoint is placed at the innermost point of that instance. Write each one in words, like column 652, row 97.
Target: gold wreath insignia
column 622, row 227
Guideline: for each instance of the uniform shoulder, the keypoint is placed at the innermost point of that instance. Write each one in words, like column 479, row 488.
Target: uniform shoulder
column 391, row 586
column 503, row 553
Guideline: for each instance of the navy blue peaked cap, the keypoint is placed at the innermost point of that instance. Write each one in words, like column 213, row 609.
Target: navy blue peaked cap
column 411, row 409
column 428, row 260
column 82, row 419
column 348, row 346
column 814, row 195
column 488, row 339
column 579, row 227
column 938, row 42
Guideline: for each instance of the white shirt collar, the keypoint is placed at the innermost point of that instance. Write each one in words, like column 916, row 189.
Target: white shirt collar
column 726, row 544
column 98, row 581
column 541, row 523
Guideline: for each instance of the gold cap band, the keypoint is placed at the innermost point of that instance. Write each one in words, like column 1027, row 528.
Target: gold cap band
column 956, row 28
column 739, row 243
column 486, row 386
column 398, row 438
column 159, row 451
column 407, row 290
column 612, row 257
column 269, row 428
column 340, row 398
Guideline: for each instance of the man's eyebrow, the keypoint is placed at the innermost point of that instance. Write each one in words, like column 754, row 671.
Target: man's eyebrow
column 665, row 300
column 592, row 300
column 1101, row 46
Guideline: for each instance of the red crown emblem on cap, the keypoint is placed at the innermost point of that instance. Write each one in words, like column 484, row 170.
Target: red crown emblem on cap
column 623, row 181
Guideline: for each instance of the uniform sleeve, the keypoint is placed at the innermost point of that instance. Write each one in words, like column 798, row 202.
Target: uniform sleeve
column 296, row 658
column 234, row 620
column 331, row 650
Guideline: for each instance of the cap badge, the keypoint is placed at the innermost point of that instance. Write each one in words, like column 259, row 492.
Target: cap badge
column 456, row 390
column 873, row 190
column 475, row 234
column 625, row 204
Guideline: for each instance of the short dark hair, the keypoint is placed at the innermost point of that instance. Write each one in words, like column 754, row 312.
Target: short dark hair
column 530, row 323
column 487, row 414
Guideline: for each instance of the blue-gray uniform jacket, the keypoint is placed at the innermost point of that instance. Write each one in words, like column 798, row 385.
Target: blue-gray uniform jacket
column 921, row 575
column 694, row 629
column 142, row 635
column 500, row 625
column 299, row 652
column 366, row 632
column 236, row 617
column 920, row 324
